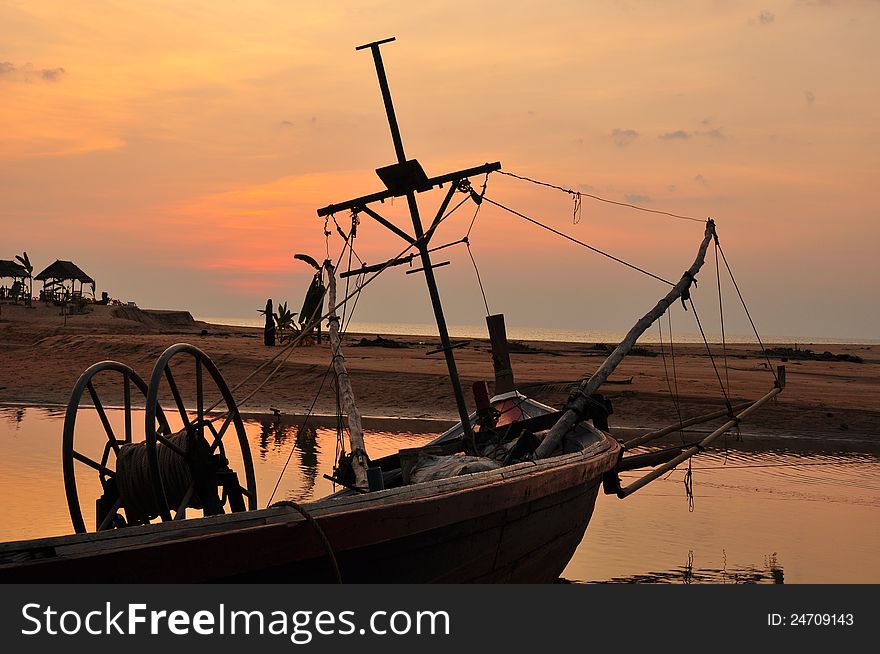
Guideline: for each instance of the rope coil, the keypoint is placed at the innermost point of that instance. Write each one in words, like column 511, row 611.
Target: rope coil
column 135, row 481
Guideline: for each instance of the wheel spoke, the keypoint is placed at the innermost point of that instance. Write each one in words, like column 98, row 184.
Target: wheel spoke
column 103, row 416
column 167, row 443
column 105, row 455
column 82, row 458
column 181, row 510
column 110, row 514
column 218, row 435
column 127, row 394
column 164, row 427
column 177, row 398
column 200, row 406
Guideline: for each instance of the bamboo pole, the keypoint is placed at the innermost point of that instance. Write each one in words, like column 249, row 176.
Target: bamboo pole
column 660, row 433
column 355, row 429
column 589, row 386
column 689, row 452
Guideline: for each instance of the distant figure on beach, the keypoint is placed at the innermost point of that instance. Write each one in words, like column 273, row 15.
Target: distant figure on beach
column 269, row 329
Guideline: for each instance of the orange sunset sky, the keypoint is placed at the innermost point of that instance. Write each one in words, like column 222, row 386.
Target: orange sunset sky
column 177, row 150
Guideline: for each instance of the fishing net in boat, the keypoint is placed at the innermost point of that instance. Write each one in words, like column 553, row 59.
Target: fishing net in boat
column 431, row 467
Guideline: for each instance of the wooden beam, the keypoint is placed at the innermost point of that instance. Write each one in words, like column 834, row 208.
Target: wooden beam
column 359, row 460
column 689, row 452
column 660, row 433
column 387, row 223
column 589, row 386
column 361, row 202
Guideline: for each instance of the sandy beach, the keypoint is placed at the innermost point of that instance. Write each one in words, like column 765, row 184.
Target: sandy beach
column 41, row 359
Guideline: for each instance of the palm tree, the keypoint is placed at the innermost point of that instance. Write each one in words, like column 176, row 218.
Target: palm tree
column 284, row 323
column 26, row 262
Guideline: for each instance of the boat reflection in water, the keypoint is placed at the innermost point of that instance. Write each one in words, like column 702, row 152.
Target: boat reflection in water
column 770, row 573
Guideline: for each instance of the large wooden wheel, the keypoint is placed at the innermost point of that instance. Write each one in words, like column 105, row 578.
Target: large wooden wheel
column 105, row 373
column 201, row 444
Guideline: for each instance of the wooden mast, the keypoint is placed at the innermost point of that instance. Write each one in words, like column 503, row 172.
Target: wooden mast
column 576, row 407
column 406, row 178
column 359, row 461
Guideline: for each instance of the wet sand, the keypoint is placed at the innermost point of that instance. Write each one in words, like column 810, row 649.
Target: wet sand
column 41, row 359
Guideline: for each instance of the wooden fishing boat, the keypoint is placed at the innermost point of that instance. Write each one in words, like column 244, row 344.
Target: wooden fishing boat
column 516, row 523
column 504, row 496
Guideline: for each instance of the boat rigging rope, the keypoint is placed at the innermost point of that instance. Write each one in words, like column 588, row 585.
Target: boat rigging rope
column 348, row 240
column 577, row 195
column 689, row 485
column 721, row 317
column 478, row 200
column 302, row 427
column 287, row 350
column 748, row 315
column 574, row 240
column 479, row 280
column 310, row 519
column 712, row 359
column 300, row 430
column 673, row 394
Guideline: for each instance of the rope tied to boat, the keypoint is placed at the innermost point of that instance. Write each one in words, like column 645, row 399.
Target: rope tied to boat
column 686, row 291
column 689, row 484
column 310, row 519
column 135, row 481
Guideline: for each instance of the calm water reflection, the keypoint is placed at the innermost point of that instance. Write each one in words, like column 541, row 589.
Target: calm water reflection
column 765, row 511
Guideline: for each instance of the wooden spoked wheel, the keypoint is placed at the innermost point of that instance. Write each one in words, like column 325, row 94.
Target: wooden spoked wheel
column 109, row 505
column 210, row 484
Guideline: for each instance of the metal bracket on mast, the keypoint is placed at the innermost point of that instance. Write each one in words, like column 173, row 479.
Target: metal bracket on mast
column 406, row 178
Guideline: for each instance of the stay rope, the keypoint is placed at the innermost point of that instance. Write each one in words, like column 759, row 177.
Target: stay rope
column 748, row 315
column 578, row 242
column 672, row 394
column 578, row 194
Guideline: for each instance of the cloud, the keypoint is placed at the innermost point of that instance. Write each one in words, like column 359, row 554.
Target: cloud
column 709, row 132
column 587, row 188
column 712, row 133
column 635, row 198
column 623, row 137
column 25, row 72
column 677, row 134
column 766, row 17
column 702, row 181
column 809, row 97
column 52, row 74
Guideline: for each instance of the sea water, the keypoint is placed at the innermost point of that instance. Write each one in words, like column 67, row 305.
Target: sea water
column 521, row 333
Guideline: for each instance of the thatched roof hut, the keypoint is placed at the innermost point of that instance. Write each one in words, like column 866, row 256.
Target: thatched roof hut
column 55, row 276
column 17, row 290
column 64, row 271
column 13, row 269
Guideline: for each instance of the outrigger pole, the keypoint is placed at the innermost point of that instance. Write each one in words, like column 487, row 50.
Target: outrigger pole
column 407, row 177
column 581, row 399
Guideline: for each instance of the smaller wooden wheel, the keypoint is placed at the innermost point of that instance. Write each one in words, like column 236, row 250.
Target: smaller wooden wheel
column 190, row 468
column 109, row 505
